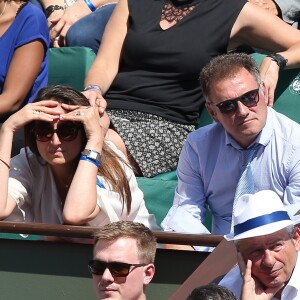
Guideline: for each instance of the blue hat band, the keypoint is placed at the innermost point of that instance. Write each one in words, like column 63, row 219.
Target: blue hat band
column 260, row 221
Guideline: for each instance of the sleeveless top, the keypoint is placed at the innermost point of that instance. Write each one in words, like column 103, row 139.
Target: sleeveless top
column 160, row 69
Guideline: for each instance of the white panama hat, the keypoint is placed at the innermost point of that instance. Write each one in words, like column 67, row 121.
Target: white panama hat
column 259, row 214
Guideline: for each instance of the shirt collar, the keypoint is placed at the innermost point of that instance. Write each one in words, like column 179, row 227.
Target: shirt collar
column 294, row 280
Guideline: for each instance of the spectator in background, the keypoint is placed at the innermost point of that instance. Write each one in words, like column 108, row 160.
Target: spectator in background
column 23, row 54
column 250, row 146
column 268, row 244
column 288, row 10
column 123, row 263
column 148, row 65
column 69, row 173
column 211, row 292
column 77, row 22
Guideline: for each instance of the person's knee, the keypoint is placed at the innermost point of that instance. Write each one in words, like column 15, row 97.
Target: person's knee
column 88, row 31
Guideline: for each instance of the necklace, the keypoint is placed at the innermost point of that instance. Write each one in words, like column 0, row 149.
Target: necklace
column 3, row 10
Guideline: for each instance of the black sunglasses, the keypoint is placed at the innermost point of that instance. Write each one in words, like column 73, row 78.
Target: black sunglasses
column 66, row 131
column 248, row 99
column 117, row 269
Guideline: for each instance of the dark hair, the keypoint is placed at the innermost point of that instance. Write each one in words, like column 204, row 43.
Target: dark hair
column 226, row 66
column 211, row 292
column 111, row 168
column 145, row 239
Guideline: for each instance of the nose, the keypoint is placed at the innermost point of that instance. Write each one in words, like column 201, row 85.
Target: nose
column 107, row 276
column 242, row 110
column 268, row 259
column 55, row 139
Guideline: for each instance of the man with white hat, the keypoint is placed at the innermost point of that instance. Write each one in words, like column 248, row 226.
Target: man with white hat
column 267, row 243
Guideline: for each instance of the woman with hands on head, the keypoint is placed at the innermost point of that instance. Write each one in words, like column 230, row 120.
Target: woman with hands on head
column 148, row 66
column 68, row 173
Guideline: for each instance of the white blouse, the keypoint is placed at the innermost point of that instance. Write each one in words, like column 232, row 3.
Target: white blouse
column 32, row 185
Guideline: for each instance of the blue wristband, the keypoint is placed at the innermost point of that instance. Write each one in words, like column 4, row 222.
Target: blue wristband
column 90, row 5
column 93, row 87
column 95, row 162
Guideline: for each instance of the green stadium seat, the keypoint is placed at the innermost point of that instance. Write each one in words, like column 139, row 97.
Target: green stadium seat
column 69, row 65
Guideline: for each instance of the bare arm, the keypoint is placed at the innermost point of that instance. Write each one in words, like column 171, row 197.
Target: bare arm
column 7, row 204
column 7, row 131
column 22, row 72
column 106, row 64
column 260, row 29
column 81, row 201
column 257, row 28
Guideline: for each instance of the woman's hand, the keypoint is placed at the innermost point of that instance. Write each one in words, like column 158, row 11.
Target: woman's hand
column 269, row 75
column 46, row 110
column 61, row 21
column 95, row 126
column 96, row 99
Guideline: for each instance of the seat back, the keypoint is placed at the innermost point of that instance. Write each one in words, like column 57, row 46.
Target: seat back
column 69, row 66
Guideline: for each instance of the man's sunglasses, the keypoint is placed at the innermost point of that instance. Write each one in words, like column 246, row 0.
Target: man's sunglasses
column 66, row 131
column 248, row 99
column 117, row 269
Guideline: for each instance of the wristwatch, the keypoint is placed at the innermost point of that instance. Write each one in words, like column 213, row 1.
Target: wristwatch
column 92, row 154
column 279, row 59
column 50, row 9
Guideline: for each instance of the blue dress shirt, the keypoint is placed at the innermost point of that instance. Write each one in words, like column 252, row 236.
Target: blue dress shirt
column 210, row 166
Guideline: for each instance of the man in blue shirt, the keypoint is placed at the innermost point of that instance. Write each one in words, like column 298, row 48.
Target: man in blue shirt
column 211, row 164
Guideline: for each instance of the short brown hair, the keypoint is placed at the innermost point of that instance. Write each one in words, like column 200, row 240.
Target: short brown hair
column 145, row 239
column 226, row 66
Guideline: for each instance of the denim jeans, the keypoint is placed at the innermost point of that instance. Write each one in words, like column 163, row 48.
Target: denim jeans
column 88, row 31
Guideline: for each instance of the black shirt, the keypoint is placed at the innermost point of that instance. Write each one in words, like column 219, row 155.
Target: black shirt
column 160, row 68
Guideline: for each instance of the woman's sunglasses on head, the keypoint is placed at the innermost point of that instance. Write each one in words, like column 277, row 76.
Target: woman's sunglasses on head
column 117, row 269
column 249, row 99
column 66, row 131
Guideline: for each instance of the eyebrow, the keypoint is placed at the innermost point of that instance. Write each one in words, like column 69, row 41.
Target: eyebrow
column 243, row 95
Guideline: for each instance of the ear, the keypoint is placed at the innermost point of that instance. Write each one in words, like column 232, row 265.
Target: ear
column 149, row 271
column 211, row 112
column 296, row 238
